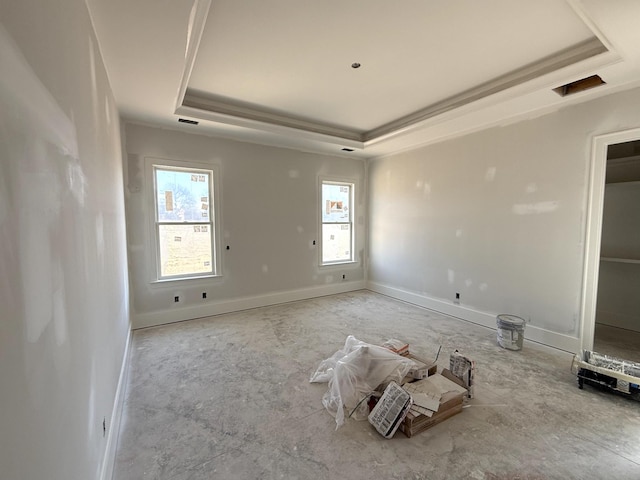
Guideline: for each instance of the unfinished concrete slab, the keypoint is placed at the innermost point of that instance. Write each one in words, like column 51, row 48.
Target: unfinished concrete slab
column 229, row 397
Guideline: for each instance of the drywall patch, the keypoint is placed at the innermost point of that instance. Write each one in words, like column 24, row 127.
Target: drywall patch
column 76, row 180
column 107, row 110
column 294, row 174
column 134, row 173
column 490, row 174
column 531, row 188
column 535, row 208
column 451, row 276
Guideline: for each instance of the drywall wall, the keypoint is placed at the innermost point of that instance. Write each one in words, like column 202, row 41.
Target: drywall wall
column 64, row 296
column 269, row 219
column 618, row 302
column 497, row 216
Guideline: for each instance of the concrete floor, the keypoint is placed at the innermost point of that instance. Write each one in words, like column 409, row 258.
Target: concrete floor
column 228, row 397
column 617, row 342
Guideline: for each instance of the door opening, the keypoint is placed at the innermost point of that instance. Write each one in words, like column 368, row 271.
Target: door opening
column 610, row 319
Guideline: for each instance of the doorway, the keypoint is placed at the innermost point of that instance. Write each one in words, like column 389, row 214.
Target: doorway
column 611, row 303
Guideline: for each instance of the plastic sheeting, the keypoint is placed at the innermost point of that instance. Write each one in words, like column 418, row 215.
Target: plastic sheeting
column 356, row 371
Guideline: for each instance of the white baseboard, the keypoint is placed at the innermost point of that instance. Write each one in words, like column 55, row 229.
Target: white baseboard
column 486, row 319
column 109, row 460
column 217, row 307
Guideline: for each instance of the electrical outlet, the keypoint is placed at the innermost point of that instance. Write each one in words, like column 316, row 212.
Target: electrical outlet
column 457, row 300
column 176, row 299
column 204, row 295
column 344, row 277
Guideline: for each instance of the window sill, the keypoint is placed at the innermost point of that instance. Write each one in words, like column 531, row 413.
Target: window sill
column 165, row 281
column 339, row 264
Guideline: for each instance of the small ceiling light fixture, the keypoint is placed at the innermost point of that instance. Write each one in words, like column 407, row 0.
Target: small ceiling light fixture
column 355, row 65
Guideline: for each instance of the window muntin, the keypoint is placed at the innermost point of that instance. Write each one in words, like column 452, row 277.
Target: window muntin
column 337, row 222
column 184, row 223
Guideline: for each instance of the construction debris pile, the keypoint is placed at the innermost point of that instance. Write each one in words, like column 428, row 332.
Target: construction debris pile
column 392, row 388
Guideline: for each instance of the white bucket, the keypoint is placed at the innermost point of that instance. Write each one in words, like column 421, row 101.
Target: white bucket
column 510, row 331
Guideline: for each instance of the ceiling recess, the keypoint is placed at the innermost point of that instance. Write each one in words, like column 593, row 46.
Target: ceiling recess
column 190, row 122
column 579, row 85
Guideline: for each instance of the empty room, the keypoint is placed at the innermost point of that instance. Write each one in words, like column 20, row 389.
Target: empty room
column 234, row 233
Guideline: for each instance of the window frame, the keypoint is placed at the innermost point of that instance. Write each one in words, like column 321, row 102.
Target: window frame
column 352, row 187
column 153, row 164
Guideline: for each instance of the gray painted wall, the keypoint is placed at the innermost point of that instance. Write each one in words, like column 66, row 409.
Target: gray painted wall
column 497, row 216
column 269, row 210
column 64, row 319
column 619, row 283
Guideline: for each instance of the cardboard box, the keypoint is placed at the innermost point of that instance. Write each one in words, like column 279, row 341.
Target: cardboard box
column 424, row 368
column 450, row 395
column 450, row 405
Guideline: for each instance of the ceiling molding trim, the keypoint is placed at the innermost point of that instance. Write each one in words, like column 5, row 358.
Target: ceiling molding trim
column 588, row 55
column 261, row 124
column 263, row 116
column 570, row 56
column 581, row 11
column 195, row 29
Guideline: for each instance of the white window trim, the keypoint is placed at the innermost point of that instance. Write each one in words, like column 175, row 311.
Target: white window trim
column 337, row 181
column 150, row 204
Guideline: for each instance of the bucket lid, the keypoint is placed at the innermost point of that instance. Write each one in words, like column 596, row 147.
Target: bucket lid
column 511, row 320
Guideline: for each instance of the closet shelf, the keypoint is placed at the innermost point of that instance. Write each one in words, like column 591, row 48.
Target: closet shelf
column 632, row 182
column 619, row 260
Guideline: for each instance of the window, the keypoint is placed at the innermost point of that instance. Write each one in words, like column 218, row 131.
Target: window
column 337, row 222
column 184, row 222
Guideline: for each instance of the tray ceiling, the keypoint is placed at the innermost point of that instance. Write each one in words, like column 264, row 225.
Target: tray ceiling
column 280, row 71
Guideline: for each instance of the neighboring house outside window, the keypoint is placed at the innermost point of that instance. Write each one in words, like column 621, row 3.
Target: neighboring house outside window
column 337, row 222
column 185, row 226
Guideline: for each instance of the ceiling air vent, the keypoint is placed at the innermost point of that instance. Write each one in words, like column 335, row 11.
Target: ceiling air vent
column 190, row 122
column 579, row 85
column 345, row 149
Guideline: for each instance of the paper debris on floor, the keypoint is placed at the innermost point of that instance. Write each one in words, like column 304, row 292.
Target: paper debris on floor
column 396, row 346
column 390, row 410
column 427, row 401
column 418, row 410
column 464, row 368
column 423, row 368
column 392, row 391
